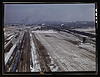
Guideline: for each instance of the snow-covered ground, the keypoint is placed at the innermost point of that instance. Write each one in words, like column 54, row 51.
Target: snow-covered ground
column 10, row 37
column 14, row 41
column 7, row 34
column 36, row 65
column 49, row 31
column 53, row 66
column 8, row 54
column 68, row 36
column 69, row 57
column 62, row 52
column 88, row 46
column 88, row 30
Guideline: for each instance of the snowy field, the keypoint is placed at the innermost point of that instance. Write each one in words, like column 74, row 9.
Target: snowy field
column 68, row 56
column 7, row 54
column 66, row 51
column 36, row 65
column 48, row 31
column 88, row 30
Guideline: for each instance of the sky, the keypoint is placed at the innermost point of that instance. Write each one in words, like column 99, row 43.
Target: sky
column 19, row 13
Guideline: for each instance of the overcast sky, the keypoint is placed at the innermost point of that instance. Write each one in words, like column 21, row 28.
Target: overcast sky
column 15, row 13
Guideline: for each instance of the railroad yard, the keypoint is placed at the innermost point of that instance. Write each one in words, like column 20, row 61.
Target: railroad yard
column 28, row 50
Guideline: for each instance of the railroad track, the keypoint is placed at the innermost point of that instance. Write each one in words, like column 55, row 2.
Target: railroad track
column 80, row 32
column 12, row 62
column 9, row 42
column 41, row 56
column 81, row 35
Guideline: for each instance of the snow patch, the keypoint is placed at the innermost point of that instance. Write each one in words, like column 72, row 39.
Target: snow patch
column 88, row 46
column 7, row 55
column 9, row 41
column 10, row 37
column 52, row 65
column 36, row 65
column 88, row 29
column 49, row 31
